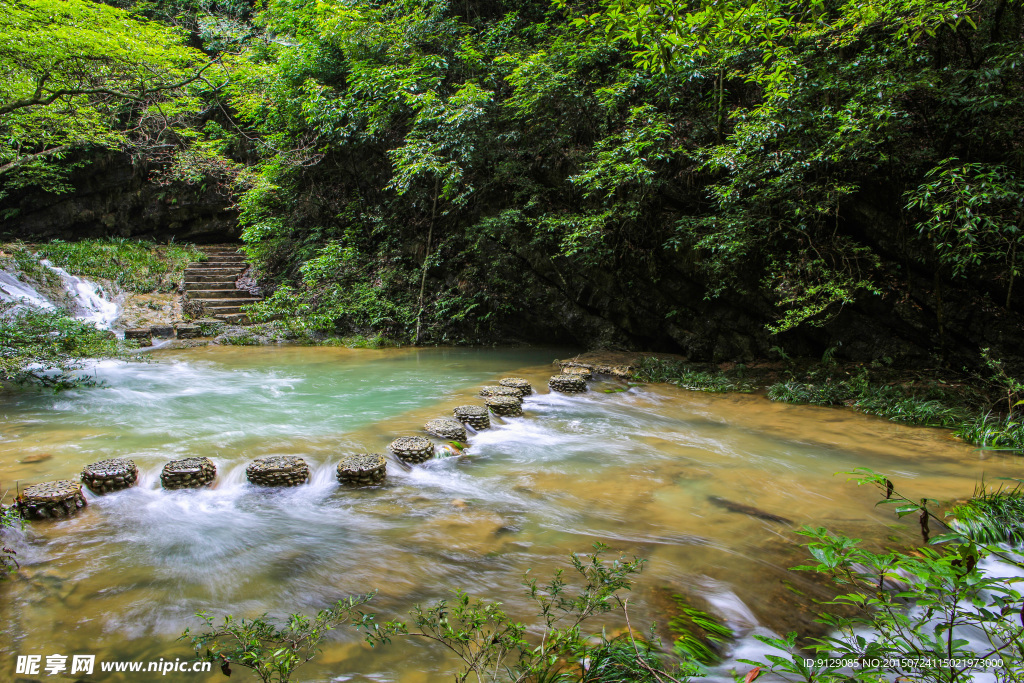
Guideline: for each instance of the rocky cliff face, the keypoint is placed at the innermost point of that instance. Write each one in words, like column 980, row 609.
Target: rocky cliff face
column 112, row 197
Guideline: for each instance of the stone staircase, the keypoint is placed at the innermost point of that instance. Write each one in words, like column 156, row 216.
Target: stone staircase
column 212, row 283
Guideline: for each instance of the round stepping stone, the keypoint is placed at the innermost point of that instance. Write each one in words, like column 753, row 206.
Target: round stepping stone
column 413, row 449
column 475, row 416
column 517, row 383
column 363, row 469
column 110, row 475
column 446, row 428
column 586, row 373
column 505, row 406
column 51, row 500
column 188, row 473
column 499, row 391
column 568, row 384
column 278, row 470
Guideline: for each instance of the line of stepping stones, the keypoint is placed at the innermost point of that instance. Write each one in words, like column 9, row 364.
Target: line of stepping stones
column 64, row 498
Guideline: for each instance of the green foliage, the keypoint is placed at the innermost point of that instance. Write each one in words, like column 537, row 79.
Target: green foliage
column 698, row 634
column 9, row 519
column 271, row 650
column 138, row 266
column 73, row 70
column 990, row 517
column 973, row 215
column 47, row 347
column 993, row 431
column 911, row 610
column 493, row 647
column 651, row 369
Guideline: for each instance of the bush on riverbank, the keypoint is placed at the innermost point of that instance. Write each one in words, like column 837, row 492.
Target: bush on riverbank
column 136, row 265
column 48, row 347
column 981, row 408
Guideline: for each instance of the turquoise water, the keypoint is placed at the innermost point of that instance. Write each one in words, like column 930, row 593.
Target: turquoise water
column 639, row 470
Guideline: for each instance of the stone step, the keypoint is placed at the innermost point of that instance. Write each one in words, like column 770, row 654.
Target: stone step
column 210, row 281
column 218, row 311
column 191, row 270
column 227, row 293
column 239, row 318
column 220, row 262
column 193, row 286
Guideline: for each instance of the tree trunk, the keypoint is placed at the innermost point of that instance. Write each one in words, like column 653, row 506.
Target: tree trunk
column 426, row 258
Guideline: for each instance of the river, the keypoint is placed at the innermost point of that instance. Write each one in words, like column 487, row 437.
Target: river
column 645, row 470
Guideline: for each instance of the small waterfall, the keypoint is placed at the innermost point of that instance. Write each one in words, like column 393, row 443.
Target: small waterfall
column 92, row 306
column 13, row 290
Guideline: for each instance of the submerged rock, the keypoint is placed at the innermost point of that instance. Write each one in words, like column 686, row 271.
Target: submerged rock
column 742, row 509
column 51, row 500
column 278, row 470
column 110, row 475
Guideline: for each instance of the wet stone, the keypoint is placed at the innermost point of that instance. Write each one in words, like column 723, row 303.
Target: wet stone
column 518, row 383
column 446, row 428
column 413, row 449
column 496, row 390
column 278, row 470
column 475, row 416
column 568, row 384
column 51, row 500
column 505, row 406
column 187, row 331
column 162, row 331
column 586, row 373
column 188, row 473
column 142, row 335
column 110, row 475
column 363, row 469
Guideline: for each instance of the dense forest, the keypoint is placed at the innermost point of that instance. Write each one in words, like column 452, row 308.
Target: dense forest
column 728, row 180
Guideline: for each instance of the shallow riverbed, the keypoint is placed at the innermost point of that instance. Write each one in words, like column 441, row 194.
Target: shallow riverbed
column 645, row 471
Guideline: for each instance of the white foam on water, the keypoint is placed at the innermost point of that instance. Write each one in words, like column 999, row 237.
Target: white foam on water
column 92, row 304
column 13, row 290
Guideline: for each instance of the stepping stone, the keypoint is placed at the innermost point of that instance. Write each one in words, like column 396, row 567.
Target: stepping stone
column 142, row 335
column 568, row 384
column 517, row 383
column 446, row 428
column 505, row 406
column 188, row 473
column 162, row 331
column 278, row 470
column 412, row 449
column 188, row 331
column 51, row 500
column 476, row 417
column 500, row 391
column 110, row 475
column 586, row 373
column 363, row 469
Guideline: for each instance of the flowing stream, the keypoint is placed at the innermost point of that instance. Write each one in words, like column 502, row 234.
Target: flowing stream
column 653, row 471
